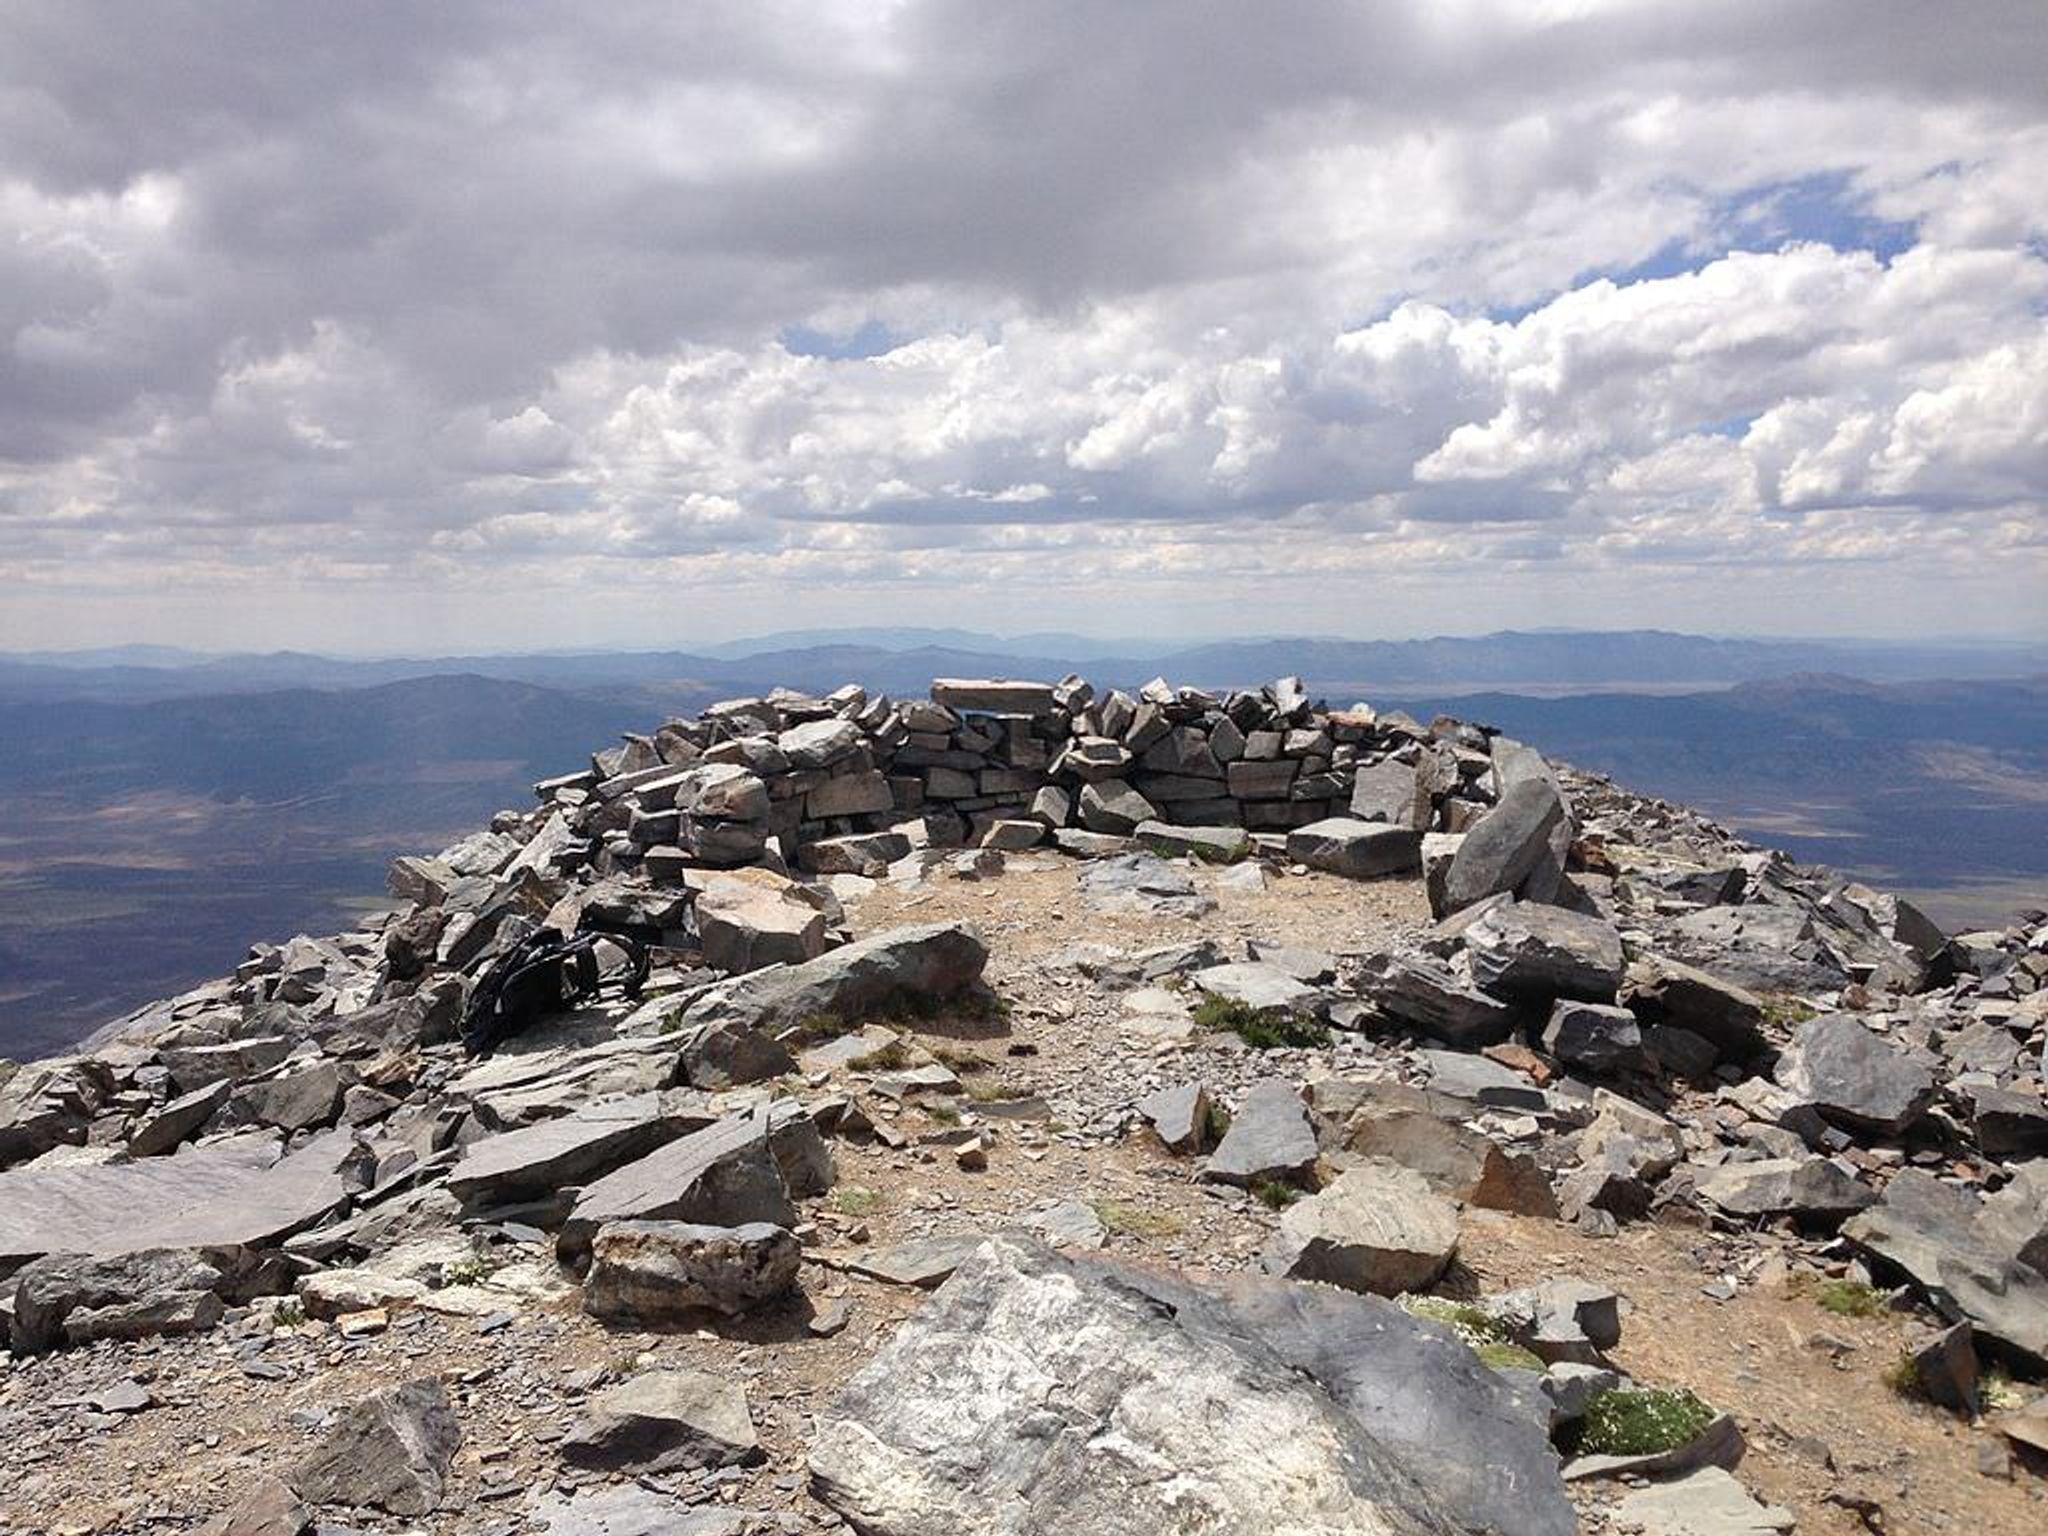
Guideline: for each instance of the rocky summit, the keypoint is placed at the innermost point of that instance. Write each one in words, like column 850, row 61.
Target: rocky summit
column 1051, row 1110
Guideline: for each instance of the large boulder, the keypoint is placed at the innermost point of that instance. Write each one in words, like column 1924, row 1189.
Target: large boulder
column 1531, row 952
column 918, row 966
column 1142, row 884
column 743, row 926
column 1438, row 1000
column 49, row 1104
column 1379, row 1228
column 649, row 1273
column 1965, row 1252
column 1729, row 1018
column 1273, row 1408
column 1809, row 1188
column 536, row 1160
column 1389, row 792
column 70, row 1298
column 1854, row 1077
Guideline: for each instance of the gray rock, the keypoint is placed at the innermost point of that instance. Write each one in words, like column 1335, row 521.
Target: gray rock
column 266, row 1508
column 1143, row 884
column 659, row 1273
column 1811, row 1188
column 1594, row 1036
column 630, row 1510
column 665, row 1421
column 1276, row 1407
column 1506, row 845
column 1112, row 806
column 537, row 1160
column 303, row 1099
column 1708, row 1502
column 178, row 1121
column 1762, row 946
column 1962, row 1252
column 1257, row 985
column 1665, row 991
column 924, row 1262
column 232, row 1193
column 1945, row 1366
column 1179, row 1117
column 1378, row 1228
column 994, row 696
column 390, row 1451
column 1389, row 792
column 1526, row 951
column 1437, row 1000
column 74, row 1299
column 928, row 963
column 194, row 1066
column 725, row 1175
column 1457, row 1162
column 725, row 1053
column 743, row 927
column 1854, row 1077
column 1269, row 1138
column 1359, row 850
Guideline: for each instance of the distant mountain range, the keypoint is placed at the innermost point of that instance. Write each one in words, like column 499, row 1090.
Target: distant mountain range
column 901, row 660
column 156, row 814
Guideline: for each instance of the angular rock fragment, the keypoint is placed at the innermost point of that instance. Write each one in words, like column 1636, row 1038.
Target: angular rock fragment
column 1378, row 1228
column 922, row 965
column 74, row 1299
column 1528, row 951
column 1142, row 884
column 659, row 1273
column 1809, row 1188
column 1595, row 1036
column 1269, row 1138
column 1358, row 850
column 390, row 1451
column 1854, row 1077
column 665, row 1421
column 1506, row 845
column 1179, row 1117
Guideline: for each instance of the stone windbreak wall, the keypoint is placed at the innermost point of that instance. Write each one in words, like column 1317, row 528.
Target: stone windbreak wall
column 850, row 781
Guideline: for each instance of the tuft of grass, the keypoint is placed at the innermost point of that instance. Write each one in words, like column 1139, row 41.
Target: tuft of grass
column 289, row 1313
column 854, row 1200
column 1850, row 1298
column 964, row 1063
column 1633, row 1421
column 993, row 1090
column 1902, row 1378
column 1508, row 1357
column 1136, row 1221
column 1218, row 1123
column 1785, row 1011
column 893, row 1057
column 1263, row 1029
column 945, row 1114
column 1998, row 1393
column 1275, row 1195
column 817, row 1028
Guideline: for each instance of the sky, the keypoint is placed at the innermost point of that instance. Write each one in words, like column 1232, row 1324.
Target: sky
column 487, row 326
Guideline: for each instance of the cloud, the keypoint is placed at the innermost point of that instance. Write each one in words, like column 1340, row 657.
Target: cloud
column 1510, row 308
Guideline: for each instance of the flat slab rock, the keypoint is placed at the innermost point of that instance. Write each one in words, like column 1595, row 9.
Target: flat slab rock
column 390, row 1451
column 1708, row 1503
column 930, row 961
column 1269, row 1138
column 629, row 1511
column 1378, row 1228
column 1854, row 1076
column 665, row 1421
column 1043, row 1394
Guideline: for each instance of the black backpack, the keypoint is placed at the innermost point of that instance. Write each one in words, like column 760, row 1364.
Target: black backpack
column 543, row 973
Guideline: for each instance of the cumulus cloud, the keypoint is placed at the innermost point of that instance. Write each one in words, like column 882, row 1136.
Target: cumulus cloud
column 1574, row 312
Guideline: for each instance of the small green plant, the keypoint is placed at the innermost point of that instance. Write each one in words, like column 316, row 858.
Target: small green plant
column 1217, row 1125
column 1997, row 1393
column 965, row 1063
column 945, row 1114
column 854, row 1200
column 289, row 1313
column 1275, row 1195
column 1475, row 1327
column 1263, row 1029
column 994, row 1090
column 1642, row 1422
column 1136, row 1221
column 1850, row 1298
column 1903, row 1378
column 817, row 1028
column 473, row 1269
column 1783, row 1011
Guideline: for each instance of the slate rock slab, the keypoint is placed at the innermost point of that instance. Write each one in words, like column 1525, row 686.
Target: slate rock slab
column 389, row 1451
column 1810, row 1188
column 573, row 1149
column 1142, row 884
column 1358, row 850
column 1041, row 1393
column 1506, row 845
column 1708, row 1502
column 69, row 1298
column 1854, row 1076
column 929, row 962
column 665, row 1421
column 1526, row 950
column 1269, row 1138
column 629, row 1510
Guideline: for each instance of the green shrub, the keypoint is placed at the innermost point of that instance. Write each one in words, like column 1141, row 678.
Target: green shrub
column 1642, row 1422
column 854, row 1200
column 893, row 1057
column 1136, row 1221
column 1263, row 1029
column 1850, row 1298
column 1476, row 1327
column 1508, row 1357
column 1274, row 1195
column 1218, row 1123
